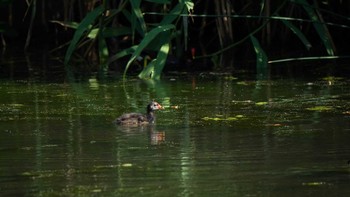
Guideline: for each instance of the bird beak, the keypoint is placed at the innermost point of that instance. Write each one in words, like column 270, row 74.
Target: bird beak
column 160, row 107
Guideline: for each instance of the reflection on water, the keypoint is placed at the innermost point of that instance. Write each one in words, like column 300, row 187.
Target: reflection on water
column 223, row 137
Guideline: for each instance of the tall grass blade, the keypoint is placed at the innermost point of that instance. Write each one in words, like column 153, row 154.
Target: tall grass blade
column 174, row 13
column 261, row 57
column 84, row 26
column 30, row 29
column 185, row 25
column 148, row 71
column 154, row 69
column 110, row 32
column 297, row 32
column 320, row 28
column 73, row 25
column 183, row 7
column 161, row 60
column 177, row 10
column 132, row 19
column 123, row 53
column 103, row 53
column 149, row 37
column 308, row 58
column 137, row 12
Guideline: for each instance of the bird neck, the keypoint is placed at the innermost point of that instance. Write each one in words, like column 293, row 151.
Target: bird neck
column 150, row 117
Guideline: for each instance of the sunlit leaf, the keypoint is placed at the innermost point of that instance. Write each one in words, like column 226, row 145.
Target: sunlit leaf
column 232, row 118
column 261, row 103
column 320, row 108
column 137, row 12
column 147, row 39
column 261, row 57
column 127, row 165
column 16, row 105
column 314, row 183
column 189, row 5
column 155, row 69
column 69, row 24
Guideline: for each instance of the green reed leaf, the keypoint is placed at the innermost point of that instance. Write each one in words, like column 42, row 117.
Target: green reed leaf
column 154, row 69
column 261, row 57
column 297, row 32
column 319, row 26
column 149, row 37
column 83, row 27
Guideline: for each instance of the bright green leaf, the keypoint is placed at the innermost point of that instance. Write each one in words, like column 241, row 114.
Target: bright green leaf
column 146, row 40
column 261, row 57
column 320, row 108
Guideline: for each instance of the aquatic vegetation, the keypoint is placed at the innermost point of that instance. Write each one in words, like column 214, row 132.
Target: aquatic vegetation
column 320, row 108
column 219, row 118
column 65, row 137
column 261, row 103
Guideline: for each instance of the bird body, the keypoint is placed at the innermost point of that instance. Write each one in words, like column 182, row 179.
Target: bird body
column 138, row 118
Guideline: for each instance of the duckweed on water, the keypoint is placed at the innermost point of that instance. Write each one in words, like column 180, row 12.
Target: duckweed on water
column 320, row 108
column 70, row 146
column 234, row 118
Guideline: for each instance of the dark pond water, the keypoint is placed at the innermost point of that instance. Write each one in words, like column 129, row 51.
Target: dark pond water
column 215, row 137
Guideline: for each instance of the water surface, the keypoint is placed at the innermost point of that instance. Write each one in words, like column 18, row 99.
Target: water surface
column 216, row 136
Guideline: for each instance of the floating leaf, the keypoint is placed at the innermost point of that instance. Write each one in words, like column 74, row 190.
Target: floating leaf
column 16, row 105
column 242, row 83
column 126, row 165
column 320, row 108
column 332, row 78
column 62, row 95
column 314, row 183
column 230, row 78
column 223, row 119
column 261, row 103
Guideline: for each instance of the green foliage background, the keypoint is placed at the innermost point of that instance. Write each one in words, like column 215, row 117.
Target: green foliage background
column 115, row 34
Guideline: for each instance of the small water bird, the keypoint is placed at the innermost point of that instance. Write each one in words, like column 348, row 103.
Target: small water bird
column 140, row 119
